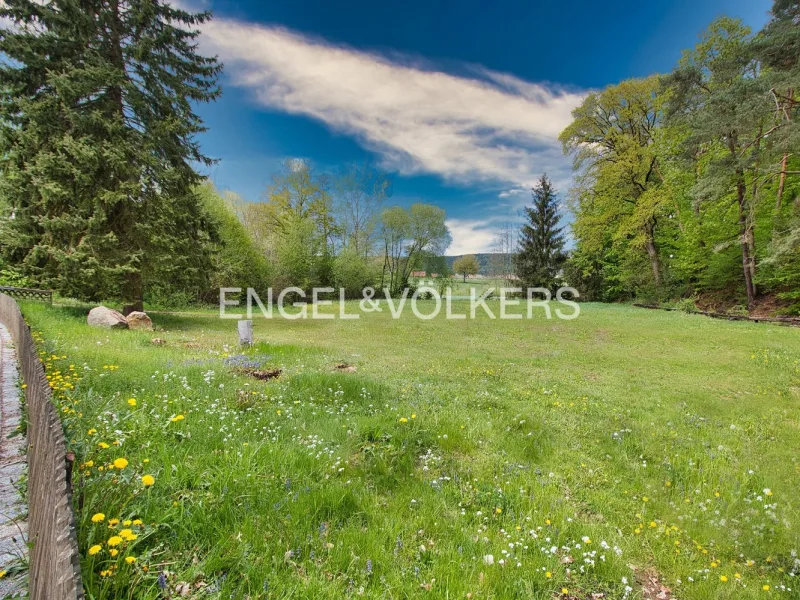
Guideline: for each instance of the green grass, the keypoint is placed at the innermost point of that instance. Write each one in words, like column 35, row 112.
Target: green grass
column 651, row 434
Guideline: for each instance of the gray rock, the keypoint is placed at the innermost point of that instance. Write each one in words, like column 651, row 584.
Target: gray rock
column 100, row 316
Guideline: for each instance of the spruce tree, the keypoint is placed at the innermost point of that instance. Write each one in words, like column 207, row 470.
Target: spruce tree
column 99, row 145
column 541, row 247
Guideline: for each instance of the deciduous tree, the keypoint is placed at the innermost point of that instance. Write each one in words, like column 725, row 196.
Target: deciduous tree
column 466, row 265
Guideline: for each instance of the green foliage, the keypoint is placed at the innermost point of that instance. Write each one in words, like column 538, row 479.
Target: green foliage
column 98, row 145
column 236, row 260
column 466, row 265
column 353, row 272
column 620, row 196
column 409, row 236
column 296, row 252
column 11, row 277
column 685, row 184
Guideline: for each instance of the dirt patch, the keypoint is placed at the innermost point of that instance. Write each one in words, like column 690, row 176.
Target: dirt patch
column 722, row 302
column 652, row 587
column 158, row 341
column 769, row 306
column 345, row 368
column 263, row 374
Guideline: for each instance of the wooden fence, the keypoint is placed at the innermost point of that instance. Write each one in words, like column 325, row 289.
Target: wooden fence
column 27, row 293
column 55, row 572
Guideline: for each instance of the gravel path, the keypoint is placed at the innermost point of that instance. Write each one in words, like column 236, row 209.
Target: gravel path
column 13, row 511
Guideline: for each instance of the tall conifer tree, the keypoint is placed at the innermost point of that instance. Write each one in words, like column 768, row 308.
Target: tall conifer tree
column 99, row 145
column 541, row 247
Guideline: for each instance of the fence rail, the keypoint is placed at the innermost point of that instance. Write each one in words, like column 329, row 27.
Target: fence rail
column 27, row 293
column 791, row 321
column 54, row 572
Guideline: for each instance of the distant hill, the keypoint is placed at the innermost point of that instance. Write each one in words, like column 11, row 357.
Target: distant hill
column 484, row 259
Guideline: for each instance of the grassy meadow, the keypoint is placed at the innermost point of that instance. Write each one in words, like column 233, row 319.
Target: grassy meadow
column 624, row 454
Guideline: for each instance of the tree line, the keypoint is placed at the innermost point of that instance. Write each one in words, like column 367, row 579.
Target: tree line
column 686, row 183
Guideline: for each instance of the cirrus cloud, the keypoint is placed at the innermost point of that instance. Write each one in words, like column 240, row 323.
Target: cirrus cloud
column 487, row 127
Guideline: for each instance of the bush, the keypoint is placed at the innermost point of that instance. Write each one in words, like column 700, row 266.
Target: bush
column 12, row 278
column 353, row 273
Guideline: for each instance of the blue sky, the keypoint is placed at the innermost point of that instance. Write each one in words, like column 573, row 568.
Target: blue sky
column 461, row 102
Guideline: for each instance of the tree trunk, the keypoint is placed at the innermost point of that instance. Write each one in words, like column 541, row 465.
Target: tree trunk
column 782, row 183
column 132, row 289
column 132, row 293
column 745, row 240
column 750, row 237
column 652, row 251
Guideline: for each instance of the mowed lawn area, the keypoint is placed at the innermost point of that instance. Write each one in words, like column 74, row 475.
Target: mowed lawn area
column 628, row 452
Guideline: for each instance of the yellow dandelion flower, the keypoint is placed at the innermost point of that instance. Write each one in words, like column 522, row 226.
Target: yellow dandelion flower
column 130, row 559
column 723, row 578
column 95, row 549
column 132, row 401
column 120, row 463
column 114, row 540
column 98, row 518
column 403, row 420
column 148, row 480
column 548, row 574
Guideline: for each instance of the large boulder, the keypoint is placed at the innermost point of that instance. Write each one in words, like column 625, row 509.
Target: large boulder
column 139, row 320
column 100, row 316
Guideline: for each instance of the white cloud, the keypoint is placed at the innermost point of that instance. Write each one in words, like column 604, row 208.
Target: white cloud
column 490, row 128
column 469, row 237
column 515, row 191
